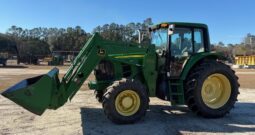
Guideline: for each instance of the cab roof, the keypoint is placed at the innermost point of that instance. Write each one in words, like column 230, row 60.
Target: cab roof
column 188, row 24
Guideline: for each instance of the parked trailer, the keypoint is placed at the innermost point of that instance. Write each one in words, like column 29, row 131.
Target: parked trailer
column 245, row 61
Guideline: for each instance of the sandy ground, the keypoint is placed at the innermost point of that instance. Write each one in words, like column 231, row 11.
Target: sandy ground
column 84, row 115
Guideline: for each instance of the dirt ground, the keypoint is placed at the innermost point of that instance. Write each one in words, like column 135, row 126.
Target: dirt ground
column 84, row 115
column 246, row 78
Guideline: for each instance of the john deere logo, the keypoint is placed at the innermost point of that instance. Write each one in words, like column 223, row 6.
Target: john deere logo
column 101, row 52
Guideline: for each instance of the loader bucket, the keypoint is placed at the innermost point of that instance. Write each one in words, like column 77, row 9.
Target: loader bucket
column 34, row 94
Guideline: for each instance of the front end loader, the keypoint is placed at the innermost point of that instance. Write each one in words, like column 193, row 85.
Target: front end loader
column 177, row 66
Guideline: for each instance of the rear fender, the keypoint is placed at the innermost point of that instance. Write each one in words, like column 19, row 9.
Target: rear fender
column 197, row 58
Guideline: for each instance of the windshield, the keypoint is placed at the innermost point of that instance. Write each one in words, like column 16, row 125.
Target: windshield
column 159, row 38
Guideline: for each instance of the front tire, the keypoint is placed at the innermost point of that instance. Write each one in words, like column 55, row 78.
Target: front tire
column 211, row 89
column 126, row 101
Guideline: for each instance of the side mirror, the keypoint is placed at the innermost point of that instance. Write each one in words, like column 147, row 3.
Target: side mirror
column 170, row 29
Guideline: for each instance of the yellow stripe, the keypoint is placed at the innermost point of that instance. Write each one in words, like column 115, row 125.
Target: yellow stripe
column 130, row 56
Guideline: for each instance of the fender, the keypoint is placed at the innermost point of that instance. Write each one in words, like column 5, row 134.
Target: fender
column 196, row 58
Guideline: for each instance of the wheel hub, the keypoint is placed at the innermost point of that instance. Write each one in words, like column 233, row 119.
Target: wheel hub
column 127, row 102
column 216, row 90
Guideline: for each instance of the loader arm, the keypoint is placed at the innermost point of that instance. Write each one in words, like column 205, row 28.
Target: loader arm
column 46, row 91
column 91, row 54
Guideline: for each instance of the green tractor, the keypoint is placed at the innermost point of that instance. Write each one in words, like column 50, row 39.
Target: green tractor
column 177, row 66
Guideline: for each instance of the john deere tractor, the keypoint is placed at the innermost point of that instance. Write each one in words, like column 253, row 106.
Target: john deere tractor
column 177, row 66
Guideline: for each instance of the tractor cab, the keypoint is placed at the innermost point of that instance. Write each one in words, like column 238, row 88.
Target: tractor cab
column 176, row 42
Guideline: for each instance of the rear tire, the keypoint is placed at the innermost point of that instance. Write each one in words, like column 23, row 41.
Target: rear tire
column 126, row 101
column 211, row 89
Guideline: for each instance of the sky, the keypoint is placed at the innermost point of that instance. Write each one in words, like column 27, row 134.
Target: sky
column 228, row 20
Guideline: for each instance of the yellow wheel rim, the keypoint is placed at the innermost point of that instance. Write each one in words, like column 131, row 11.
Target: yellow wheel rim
column 127, row 102
column 216, row 90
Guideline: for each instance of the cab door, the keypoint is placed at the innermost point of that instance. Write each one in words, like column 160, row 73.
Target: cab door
column 184, row 42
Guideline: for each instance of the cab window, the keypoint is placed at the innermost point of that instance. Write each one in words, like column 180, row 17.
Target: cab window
column 159, row 38
column 181, row 42
column 198, row 41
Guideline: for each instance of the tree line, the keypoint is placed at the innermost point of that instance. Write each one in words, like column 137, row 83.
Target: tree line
column 245, row 48
column 41, row 42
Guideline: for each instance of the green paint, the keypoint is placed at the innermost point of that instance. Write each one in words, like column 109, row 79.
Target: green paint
column 194, row 59
column 35, row 93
